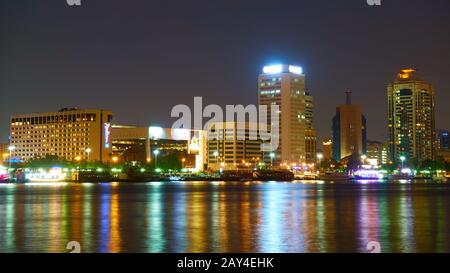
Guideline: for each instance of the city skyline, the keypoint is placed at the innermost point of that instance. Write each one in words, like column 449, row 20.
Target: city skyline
column 96, row 75
column 221, row 135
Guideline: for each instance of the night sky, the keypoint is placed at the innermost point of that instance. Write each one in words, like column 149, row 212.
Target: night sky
column 139, row 58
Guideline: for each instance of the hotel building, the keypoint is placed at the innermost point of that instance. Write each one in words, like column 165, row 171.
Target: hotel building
column 71, row 134
column 284, row 85
column 349, row 130
column 411, row 117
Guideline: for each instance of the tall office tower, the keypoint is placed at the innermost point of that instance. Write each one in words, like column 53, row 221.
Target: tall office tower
column 349, row 130
column 310, row 132
column 386, row 154
column 411, row 117
column 70, row 134
column 327, row 147
column 284, row 85
column 443, row 140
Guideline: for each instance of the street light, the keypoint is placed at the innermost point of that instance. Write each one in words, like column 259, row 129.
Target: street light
column 216, row 154
column 115, row 159
column 156, row 152
column 88, row 151
column 402, row 158
column 182, row 161
column 363, row 159
column 319, row 156
column 272, row 156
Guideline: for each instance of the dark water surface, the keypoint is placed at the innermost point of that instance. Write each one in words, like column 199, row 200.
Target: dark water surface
column 225, row 217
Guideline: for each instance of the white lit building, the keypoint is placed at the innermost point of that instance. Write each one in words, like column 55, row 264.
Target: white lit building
column 284, row 85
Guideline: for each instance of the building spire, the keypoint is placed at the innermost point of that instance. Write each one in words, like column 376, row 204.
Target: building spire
column 348, row 97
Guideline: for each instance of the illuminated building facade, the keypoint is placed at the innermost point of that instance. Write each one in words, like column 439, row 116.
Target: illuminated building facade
column 327, row 147
column 284, row 85
column 72, row 134
column 386, row 155
column 411, row 117
column 4, row 153
column 443, row 144
column 443, row 140
column 230, row 147
column 374, row 152
column 131, row 143
column 349, row 130
column 310, row 132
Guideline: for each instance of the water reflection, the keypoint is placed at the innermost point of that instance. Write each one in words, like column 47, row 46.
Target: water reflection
column 225, row 217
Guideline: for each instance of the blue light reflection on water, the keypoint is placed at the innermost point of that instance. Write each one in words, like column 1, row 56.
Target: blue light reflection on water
column 225, row 217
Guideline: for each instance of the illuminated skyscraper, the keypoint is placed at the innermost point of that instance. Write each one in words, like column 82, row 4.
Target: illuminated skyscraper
column 284, row 85
column 349, row 130
column 411, row 117
column 443, row 140
column 327, row 146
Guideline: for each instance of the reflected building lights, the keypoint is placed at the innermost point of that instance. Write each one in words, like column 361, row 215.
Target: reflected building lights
column 115, row 240
column 156, row 240
column 87, row 215
column 9, row 214
column 271, row 233
column 368, row 220
column 179, row 222
column 406, row 224
column 105, row 218
column 196, row 222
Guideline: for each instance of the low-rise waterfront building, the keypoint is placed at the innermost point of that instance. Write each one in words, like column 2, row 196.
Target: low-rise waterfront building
column 71, row 134
column 145, row 144
column 231, row 147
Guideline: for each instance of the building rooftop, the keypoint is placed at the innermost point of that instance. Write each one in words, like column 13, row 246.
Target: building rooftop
column 407, row 74
column 282, row 68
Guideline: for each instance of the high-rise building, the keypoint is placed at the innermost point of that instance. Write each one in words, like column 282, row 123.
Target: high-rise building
column 327, row 147
column 443, row 145
column 310, row 132
column 411, row 117
column 349, row 130
column 284, row 85
column 385, row 157
column 70, row 133
column 443, row 140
